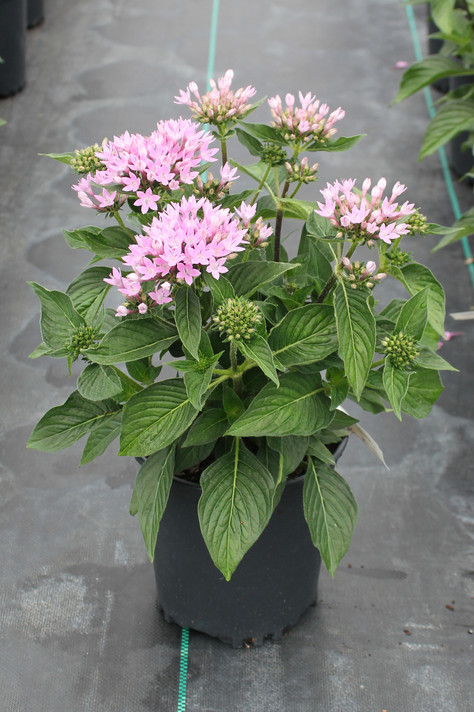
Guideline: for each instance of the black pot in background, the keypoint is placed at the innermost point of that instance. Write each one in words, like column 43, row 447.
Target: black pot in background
column 34, row 13
column 275, row 583
column 12, row 46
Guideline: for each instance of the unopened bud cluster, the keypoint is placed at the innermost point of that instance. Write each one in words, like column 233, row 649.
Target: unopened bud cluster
column 212, row 189
column 417, row 223
column 301, row 172
column 85, row 161
column 273, row 154
column 398, row 257
column 238, row 319
column 82, row 338
column 400, row 349
column 360, row 274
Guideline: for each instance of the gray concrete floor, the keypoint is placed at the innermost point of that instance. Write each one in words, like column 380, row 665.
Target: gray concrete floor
column 80, row 628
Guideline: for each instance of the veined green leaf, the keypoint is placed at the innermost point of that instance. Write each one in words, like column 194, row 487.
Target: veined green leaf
column 247, row 277
column 61, row 426
column 297, row 407
column 207, row 428
column 62, row 157
column 431, row 360
column 235, row 506
column 221, row 289
column 59, row 319
column 395, row 381
column 330, row 511
column 413, row 315
column 97, row 383
column 132, row 339
column 292, row 449
column 88, row 291
column 188, row 319
column 343, row 143
column 101, row 437
column 155, row 418
column 452, row 118
column 356, row 331
column 152, row 489
column 416, row 277
column 427, row 71
column 424, row 389
column 304, row 335
column 258, row 350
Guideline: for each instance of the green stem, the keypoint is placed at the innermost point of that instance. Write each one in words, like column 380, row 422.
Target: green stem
column 277, row 183
column 261, row 184
column 164, row 321
column 278, row 223
column 380, row 362
column 300, row 183
column 118, row 218
column 332, row 279
column 224, row 151
column 236, row 373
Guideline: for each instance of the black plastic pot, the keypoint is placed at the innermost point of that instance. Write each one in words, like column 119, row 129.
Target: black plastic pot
column 34, row 13
column 275, row 583
column 12, row 46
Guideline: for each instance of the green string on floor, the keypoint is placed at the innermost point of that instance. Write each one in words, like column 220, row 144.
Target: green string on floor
column 184, row 652
column 441, row 151
column 183, row 669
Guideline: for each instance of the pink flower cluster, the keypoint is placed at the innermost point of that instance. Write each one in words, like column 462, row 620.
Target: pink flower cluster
column 259, row 232
column 306, row 123
column 220, row 104
column 366, row 216
column 145, row 165
column 180, row 243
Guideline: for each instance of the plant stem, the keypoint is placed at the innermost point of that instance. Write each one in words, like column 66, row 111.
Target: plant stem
column 224, row 151
column 278, row 223
column 261, row 184
column 332, row 279
column 380, row 362
column 236, row 373
column 118, row 218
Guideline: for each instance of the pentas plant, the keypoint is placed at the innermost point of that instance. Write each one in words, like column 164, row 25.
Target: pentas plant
column 266, row 348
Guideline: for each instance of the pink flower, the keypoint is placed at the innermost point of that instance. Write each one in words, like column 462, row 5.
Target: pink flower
column 185, row 240
column 365, row 217
column 220, row 104
column 147, row 200
column 306, row 123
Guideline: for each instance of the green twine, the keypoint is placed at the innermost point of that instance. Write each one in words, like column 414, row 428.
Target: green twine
column 212, row 41
column 441, row 151
column 183, row 669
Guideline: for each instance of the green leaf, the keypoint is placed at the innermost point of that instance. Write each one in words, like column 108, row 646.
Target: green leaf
column 188, row 319
column 78, row 239
column 424, row 389
column 317, row 226
column 330, row 511
column 62, row 157
column 59, row 319
column 197, row 383
column 343, row 143
column 111, row 242
column 232, row 403
column 61, row 426
column 187, row 457
column 97, row 383
column 416, row 278
column 253, row 146
column 431, row 360
column 427, row 71
column 413, row 315
column 132, row 339
column 292, row 449
column 207, row 428
column 221, row 289
column 450, row 120
column 318, row 450
column 43, row 350
column 235, row 506
column 143, row 371
column 395, row 381
column 101, row 437
column 356, row 331
column 155, row 418
column 299, row 208
column 152, row 489
column 258, row 350
column 248, row 277
column 88, row 291
column 267, row 134
column 464, row 227
column 339, row 386
column 297, row 407
column 304, row 335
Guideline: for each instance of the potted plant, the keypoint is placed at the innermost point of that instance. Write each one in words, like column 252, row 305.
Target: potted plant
column 453, row 122
column 266, row 348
